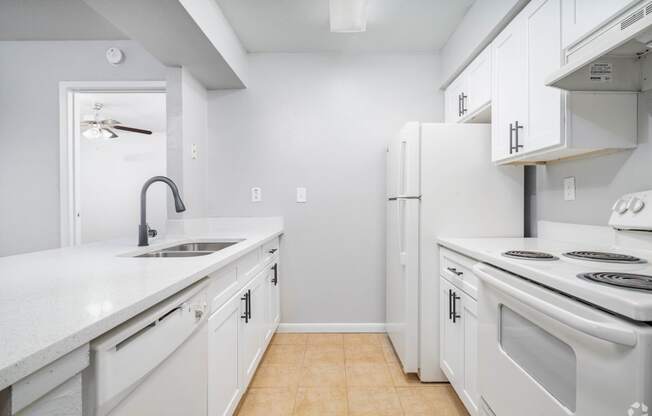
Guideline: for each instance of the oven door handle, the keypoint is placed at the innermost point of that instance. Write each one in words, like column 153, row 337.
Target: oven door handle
column 604, row 331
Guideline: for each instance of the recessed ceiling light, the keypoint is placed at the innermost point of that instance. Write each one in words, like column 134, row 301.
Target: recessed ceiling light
column 348, row 16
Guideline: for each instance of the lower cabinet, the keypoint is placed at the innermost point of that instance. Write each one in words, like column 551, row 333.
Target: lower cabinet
column 239, row 332
column 458, row 339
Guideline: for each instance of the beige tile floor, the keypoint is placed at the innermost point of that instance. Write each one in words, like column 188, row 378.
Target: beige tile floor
column 341, row 374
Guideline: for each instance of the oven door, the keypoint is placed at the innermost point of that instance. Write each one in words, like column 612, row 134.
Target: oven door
column 542, row 353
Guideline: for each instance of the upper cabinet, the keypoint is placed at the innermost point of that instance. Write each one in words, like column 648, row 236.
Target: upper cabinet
column 468, row 97
column 581, row 17
column 533, row 123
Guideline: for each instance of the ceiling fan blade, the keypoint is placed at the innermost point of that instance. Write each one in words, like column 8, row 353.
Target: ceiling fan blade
column 112, row 134
column 110, row 122
column 132, row 129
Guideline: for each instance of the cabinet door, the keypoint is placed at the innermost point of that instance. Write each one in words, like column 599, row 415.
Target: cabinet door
column 543, row 127
column 224, row 387
column 451, row 353
column 509, row 88
column 582, row 17
column 252, row 331
column 453, row 103
column 478, row 80
column 274, row 303
column 469, row 385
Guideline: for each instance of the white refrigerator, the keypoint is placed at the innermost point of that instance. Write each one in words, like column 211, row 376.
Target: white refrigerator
column 440, row 183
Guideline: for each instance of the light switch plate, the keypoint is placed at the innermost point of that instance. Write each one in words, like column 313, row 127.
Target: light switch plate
column 302, row 195
column 256, row 194
column 194, row 151
column 569, row 188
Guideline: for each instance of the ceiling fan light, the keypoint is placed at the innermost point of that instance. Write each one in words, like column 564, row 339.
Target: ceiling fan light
column 348, row 16
column 92, row 133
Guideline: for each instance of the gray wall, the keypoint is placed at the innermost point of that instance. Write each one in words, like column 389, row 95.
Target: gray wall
column 321, row 121
column 599, row 180
column 29, row 128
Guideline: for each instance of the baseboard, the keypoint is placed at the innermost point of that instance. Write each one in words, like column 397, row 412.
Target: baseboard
column 361, row 327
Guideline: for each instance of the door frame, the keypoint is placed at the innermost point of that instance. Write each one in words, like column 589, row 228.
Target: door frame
column 70, row 230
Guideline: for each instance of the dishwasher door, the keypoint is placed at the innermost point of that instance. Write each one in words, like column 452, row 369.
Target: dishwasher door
column 154, row 364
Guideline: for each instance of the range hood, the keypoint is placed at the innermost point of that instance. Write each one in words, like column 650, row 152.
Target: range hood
column 614, row 58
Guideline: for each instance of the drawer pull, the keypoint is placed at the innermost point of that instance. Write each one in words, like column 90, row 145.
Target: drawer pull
column 454, row 271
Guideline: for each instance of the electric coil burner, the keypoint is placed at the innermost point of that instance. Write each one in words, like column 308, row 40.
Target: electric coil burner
column 529, row 255
column 604, row 257
column 626, row 280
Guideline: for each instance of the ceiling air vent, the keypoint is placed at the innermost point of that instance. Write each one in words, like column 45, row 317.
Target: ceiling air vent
column 648, row 9
column 633, row 18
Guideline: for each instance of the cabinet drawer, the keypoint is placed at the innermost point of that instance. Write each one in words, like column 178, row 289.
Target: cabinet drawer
column 270, row 249
column 457, row 269
column 247, row 265
column 222, row 285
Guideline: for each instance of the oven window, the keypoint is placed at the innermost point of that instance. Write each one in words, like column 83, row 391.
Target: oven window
column 546, row 358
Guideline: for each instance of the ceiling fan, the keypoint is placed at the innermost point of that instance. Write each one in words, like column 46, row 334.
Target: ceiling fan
column 93, row 127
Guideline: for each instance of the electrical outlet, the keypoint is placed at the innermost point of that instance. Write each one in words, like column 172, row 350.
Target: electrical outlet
column 193, row 151
column 256, row 194
column 302, row 195
column 569, row 188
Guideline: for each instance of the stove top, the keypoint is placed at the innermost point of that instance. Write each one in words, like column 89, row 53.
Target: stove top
column 605, row 257
column 529, row 255
column 625, row 280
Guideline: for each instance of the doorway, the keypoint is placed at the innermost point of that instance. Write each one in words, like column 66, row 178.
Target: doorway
column 115, row 140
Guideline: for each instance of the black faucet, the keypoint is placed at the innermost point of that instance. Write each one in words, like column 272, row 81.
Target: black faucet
column 143, row 229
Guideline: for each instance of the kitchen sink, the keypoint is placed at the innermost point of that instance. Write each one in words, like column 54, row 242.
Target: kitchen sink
column 213, row 246
column 193, row 249
column 175, row 254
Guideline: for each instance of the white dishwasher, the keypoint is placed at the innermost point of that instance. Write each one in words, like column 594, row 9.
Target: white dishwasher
column 153, row 364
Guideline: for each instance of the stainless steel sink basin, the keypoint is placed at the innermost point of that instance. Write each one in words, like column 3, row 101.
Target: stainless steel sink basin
column 176, row 254
column 190, row 249
column 212, row 246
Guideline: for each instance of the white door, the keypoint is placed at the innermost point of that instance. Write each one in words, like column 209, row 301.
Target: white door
column 509, row 90
column 272, row 281
column 469, row 385
column 581, row 17
column 544, row 55
column 252, row 329
column 478, row 80
column 224, row 387
column 450, row 332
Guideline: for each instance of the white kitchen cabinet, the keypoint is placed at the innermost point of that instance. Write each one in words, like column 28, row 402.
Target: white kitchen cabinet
column 468, row 385
column 252, row 329
column 224, row 384
column 478, row 83
column 583, row 17
column 453, row 100
column 533, row 123
column 272, row 281
column 468, row 97
column 509, row 84
column 451, row 355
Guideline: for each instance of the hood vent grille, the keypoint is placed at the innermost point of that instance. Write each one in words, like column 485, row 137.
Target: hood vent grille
column 633, row 18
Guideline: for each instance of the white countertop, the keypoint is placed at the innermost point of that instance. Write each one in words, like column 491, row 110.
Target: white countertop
column 54, row 301
column 562, row 274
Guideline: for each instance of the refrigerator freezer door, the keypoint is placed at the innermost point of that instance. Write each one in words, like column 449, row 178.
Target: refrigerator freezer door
column 403, row 162
column 403, row 280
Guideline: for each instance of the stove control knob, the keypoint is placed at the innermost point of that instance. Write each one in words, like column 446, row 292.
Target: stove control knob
column 620, row 206
column 635, row 205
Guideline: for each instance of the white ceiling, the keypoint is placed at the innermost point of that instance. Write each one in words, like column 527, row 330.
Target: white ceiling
column 139, row 110
column 53, row 20
column 303, row 26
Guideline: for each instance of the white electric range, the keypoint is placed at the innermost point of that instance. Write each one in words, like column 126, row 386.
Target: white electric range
column 565, row 320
